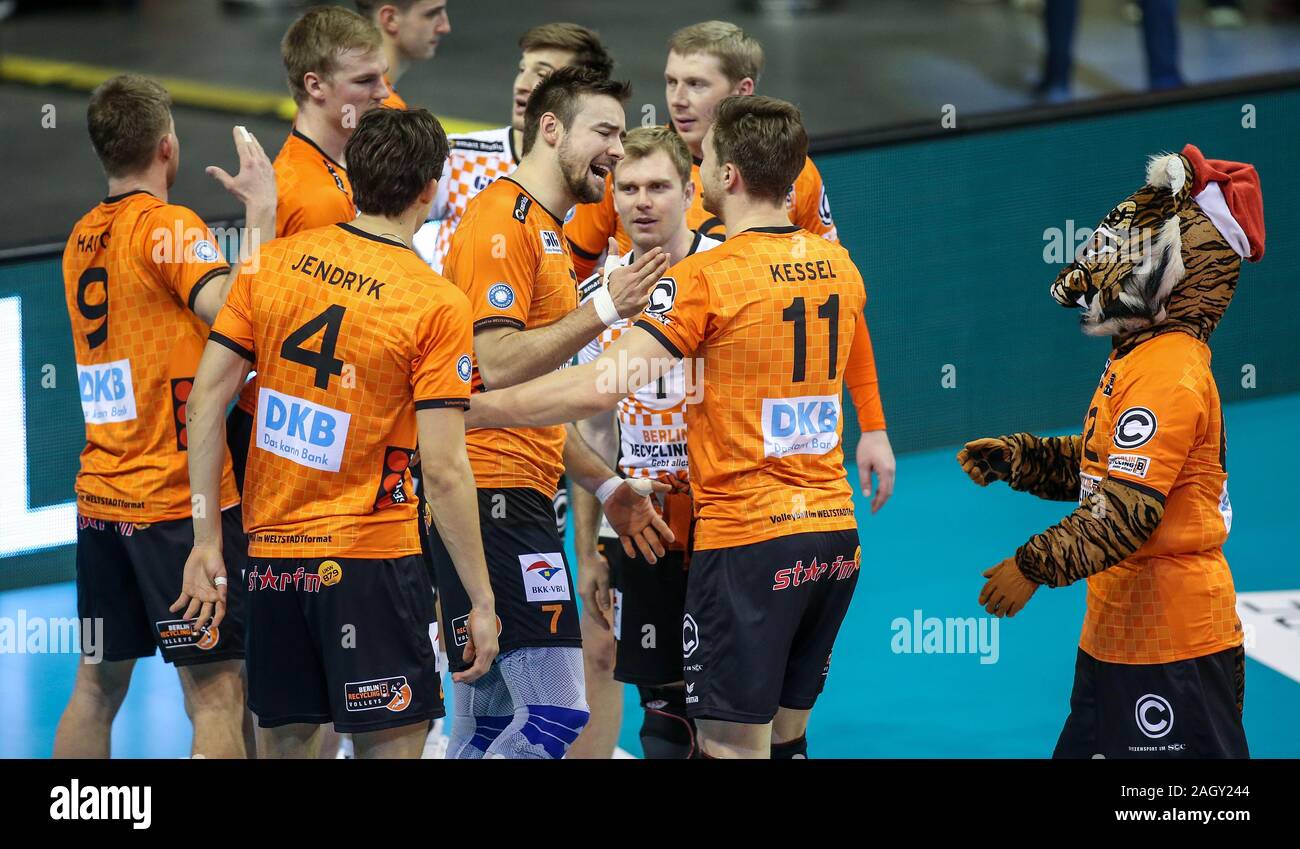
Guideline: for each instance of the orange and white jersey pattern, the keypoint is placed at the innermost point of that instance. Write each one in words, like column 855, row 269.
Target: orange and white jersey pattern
column 652, row 420
column 775, row 315
column 1155, row 424
column 132, row 269
column 351, row 334
column 474, row 161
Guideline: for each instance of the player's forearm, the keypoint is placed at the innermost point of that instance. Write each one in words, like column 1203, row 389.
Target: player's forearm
column 453, row 500
column 1108, row 527
column 557, row 398
column 598, row 432
column 860, row 379
column 259, row 226
column 585, row 510
column 205, row 426
column 582, row 464
column 526, row 354
column 1047, row 467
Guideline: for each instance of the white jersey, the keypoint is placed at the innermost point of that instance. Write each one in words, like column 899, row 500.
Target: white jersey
column 651, row 421
column 474, row 161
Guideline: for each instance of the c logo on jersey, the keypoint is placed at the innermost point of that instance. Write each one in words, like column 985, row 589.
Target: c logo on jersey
column 501, row 296
column 1135, row 427
column 1155, row 716
column 824, row 209
column 662, row 296
column 206, row 251
column 464, row 368
column 690, row 636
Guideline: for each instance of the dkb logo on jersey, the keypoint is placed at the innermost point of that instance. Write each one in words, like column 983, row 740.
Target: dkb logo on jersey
column 805, row 425
column 392, row 693
column 501, row 296
column 1135, row 427
column 544, row 577
column 106, row 392
column 308, row 434
column 1155, row 716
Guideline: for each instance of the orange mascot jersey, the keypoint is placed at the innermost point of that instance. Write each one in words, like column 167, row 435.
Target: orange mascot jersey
column 1155, row 423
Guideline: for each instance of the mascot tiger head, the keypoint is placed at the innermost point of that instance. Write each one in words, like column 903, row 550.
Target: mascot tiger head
column 1167, row 257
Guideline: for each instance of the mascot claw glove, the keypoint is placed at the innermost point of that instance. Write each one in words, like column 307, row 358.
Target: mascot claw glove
column 1007, row 591
column 987, row 460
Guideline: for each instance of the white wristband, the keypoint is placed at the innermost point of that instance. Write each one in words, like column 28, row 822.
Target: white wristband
column 606, row 489
column 605, row 308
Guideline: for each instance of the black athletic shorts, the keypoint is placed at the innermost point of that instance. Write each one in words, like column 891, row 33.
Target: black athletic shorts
column 1185, row 709
column 342, row 640
column 129, row 574
column 239, row 435
column 535, row 596
column 648, row 605
column 760, row 623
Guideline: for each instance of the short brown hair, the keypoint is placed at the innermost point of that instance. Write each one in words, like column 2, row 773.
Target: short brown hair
column 763, row 137
column 644, row 141
column 314, row 42
column 583, row 43
column 561, row 93
column 127, row 116
column 739, row 53
column 392, row 156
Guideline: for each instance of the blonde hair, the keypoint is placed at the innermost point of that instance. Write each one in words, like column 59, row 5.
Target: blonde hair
column 739, row 53
column 315, row 41
column 644, row 141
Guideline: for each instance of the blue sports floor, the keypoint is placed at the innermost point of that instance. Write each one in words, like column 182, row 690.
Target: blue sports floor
column 923, row 552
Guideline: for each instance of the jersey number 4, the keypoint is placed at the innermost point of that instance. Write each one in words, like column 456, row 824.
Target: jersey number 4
column 323, row 360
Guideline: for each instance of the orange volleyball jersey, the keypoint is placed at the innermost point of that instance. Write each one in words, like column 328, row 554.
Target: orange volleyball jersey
column 776, row 315
column 131, row 271
column 591, row 224
column 509, row 256
column 1155, row 423
column 350, row 334
column 313, row 192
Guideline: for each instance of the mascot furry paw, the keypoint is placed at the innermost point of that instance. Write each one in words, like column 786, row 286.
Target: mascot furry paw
column 1148, row 467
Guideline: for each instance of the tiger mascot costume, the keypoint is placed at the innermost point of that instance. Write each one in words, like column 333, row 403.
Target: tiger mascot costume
column 1160, row 670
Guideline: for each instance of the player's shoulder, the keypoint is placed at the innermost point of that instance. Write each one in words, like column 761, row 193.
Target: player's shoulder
column 809, row 174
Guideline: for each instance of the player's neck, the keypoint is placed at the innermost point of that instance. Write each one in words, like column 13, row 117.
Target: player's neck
column 402, row 228
column 740, row 214
column 323, row 130
column 516, row 141
column 154, row 182
column 541, row 176
column 397, row 64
